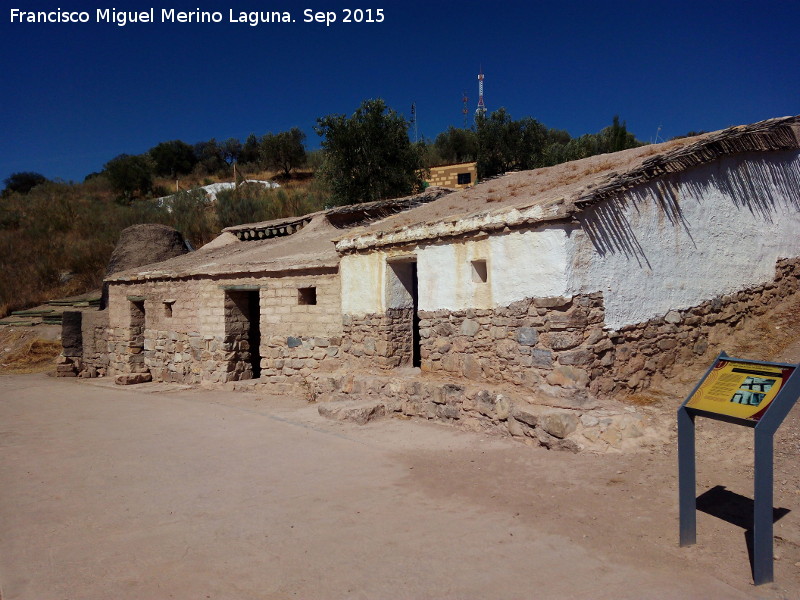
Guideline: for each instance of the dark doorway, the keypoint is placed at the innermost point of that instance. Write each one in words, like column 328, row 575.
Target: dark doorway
column 254, row 332
column 416, row 358
column 242, row 324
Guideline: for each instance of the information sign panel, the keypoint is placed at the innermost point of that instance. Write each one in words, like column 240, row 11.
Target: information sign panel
column 739, row 388
column 754, row 394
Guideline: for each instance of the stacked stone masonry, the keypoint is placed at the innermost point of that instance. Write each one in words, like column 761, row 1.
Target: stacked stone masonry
column 379, row 340
column 680, row 337
column 585, row 424
column 197, row 330
column 557, row 343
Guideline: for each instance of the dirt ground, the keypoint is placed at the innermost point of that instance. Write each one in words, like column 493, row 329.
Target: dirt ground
column 163, row 492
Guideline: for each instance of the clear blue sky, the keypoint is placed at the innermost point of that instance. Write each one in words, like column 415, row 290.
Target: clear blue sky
column 76, row 95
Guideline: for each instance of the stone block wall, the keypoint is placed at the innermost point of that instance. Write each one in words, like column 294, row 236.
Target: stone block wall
column 558, row 341
column 196, row 329
column 557, row 344
column 379, row 340
column 447, row 176
column 287, row 360
column 190, row 357
column 658, row 346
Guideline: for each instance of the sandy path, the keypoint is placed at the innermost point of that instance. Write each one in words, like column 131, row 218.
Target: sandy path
column 140, row 493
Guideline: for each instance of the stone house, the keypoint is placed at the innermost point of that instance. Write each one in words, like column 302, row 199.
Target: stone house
column 587, row 277
column 592, row 275
column 457, row 176
column 262, row 300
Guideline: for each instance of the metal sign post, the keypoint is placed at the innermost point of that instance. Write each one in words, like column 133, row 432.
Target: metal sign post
column 753, row 394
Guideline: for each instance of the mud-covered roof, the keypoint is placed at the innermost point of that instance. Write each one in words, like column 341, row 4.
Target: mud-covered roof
column 289, row 244
column 558, row 192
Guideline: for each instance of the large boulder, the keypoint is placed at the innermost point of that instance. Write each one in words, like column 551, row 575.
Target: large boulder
column 141, row 245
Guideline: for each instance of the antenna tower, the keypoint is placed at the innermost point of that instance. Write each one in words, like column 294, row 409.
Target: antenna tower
column 465, row 110
column 414, row 120
column 481, row 110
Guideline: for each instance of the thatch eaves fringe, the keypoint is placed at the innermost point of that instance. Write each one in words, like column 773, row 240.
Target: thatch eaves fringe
column 764, row 136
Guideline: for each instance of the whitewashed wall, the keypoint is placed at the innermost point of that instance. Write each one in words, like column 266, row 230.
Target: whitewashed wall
column 519, row 265
column 710, row 231
column 668, row 245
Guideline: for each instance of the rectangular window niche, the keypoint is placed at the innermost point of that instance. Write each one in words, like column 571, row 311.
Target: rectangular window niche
column 480, row 273
column 307, row 296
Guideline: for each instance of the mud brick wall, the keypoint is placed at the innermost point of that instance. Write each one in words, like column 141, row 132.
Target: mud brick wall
column 196, row 329
column 379, row 340
column 559, row 341
column 189, row 358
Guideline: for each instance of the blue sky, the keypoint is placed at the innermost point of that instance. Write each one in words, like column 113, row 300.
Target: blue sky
column 76, row 95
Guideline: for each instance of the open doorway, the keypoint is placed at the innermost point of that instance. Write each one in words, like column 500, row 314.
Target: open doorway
column 402, row 302
column 242, row 324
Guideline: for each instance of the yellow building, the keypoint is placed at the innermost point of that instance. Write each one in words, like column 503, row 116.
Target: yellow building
column 462, row 175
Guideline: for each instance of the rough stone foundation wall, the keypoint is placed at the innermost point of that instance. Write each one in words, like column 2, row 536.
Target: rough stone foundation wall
column 660, row 345
column 487, row 408
column 94, row 357
column 378, row 340
column 559, row 341
column 287, row 361
column 190, row 357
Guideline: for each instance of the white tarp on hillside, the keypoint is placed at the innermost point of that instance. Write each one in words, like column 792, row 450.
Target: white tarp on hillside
column 214, row 188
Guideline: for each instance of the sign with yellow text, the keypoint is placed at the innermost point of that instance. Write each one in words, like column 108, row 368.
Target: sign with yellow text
column 739, row 388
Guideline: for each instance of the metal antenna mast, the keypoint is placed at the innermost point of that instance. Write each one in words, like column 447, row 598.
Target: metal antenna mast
column 414, row 120
column 481, row 110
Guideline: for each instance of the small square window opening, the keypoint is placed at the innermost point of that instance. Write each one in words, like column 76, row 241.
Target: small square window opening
column 168, row 308
column 480, row 273
column 464, row 178
column 307, row 296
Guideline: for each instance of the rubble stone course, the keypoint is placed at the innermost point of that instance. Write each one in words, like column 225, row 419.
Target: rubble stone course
column 382, row 340
column 362, row 397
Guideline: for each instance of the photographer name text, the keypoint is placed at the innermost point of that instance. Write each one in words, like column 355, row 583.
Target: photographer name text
column 123, row 18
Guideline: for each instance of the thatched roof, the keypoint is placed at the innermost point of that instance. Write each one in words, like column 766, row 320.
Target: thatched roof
column 520, row 199
column 559, row 192
column 268, row 247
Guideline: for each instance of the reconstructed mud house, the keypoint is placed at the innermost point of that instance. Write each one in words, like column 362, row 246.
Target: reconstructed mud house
column 262, row 300
column 598, row 273
column 588, row 276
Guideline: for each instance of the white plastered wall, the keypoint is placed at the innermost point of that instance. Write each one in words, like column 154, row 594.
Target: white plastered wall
column 519, row 265
column 678, row 242
column 668, row 245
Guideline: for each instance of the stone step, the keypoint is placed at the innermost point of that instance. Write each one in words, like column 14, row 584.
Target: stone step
column 353, row 411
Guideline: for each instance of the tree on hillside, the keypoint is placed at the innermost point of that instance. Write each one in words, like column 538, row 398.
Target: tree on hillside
column 508, row 145
column 250, row 150
column 368, row 155
column 284, row 151
column 457, row 145
column 172, row 158
column 616, row 137
column 130, row 175
column 210, row 157
column 22, row 182
column 231, row 150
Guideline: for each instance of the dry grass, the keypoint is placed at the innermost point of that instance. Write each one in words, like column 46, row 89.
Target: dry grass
column 604, row 165
column 33, row 356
